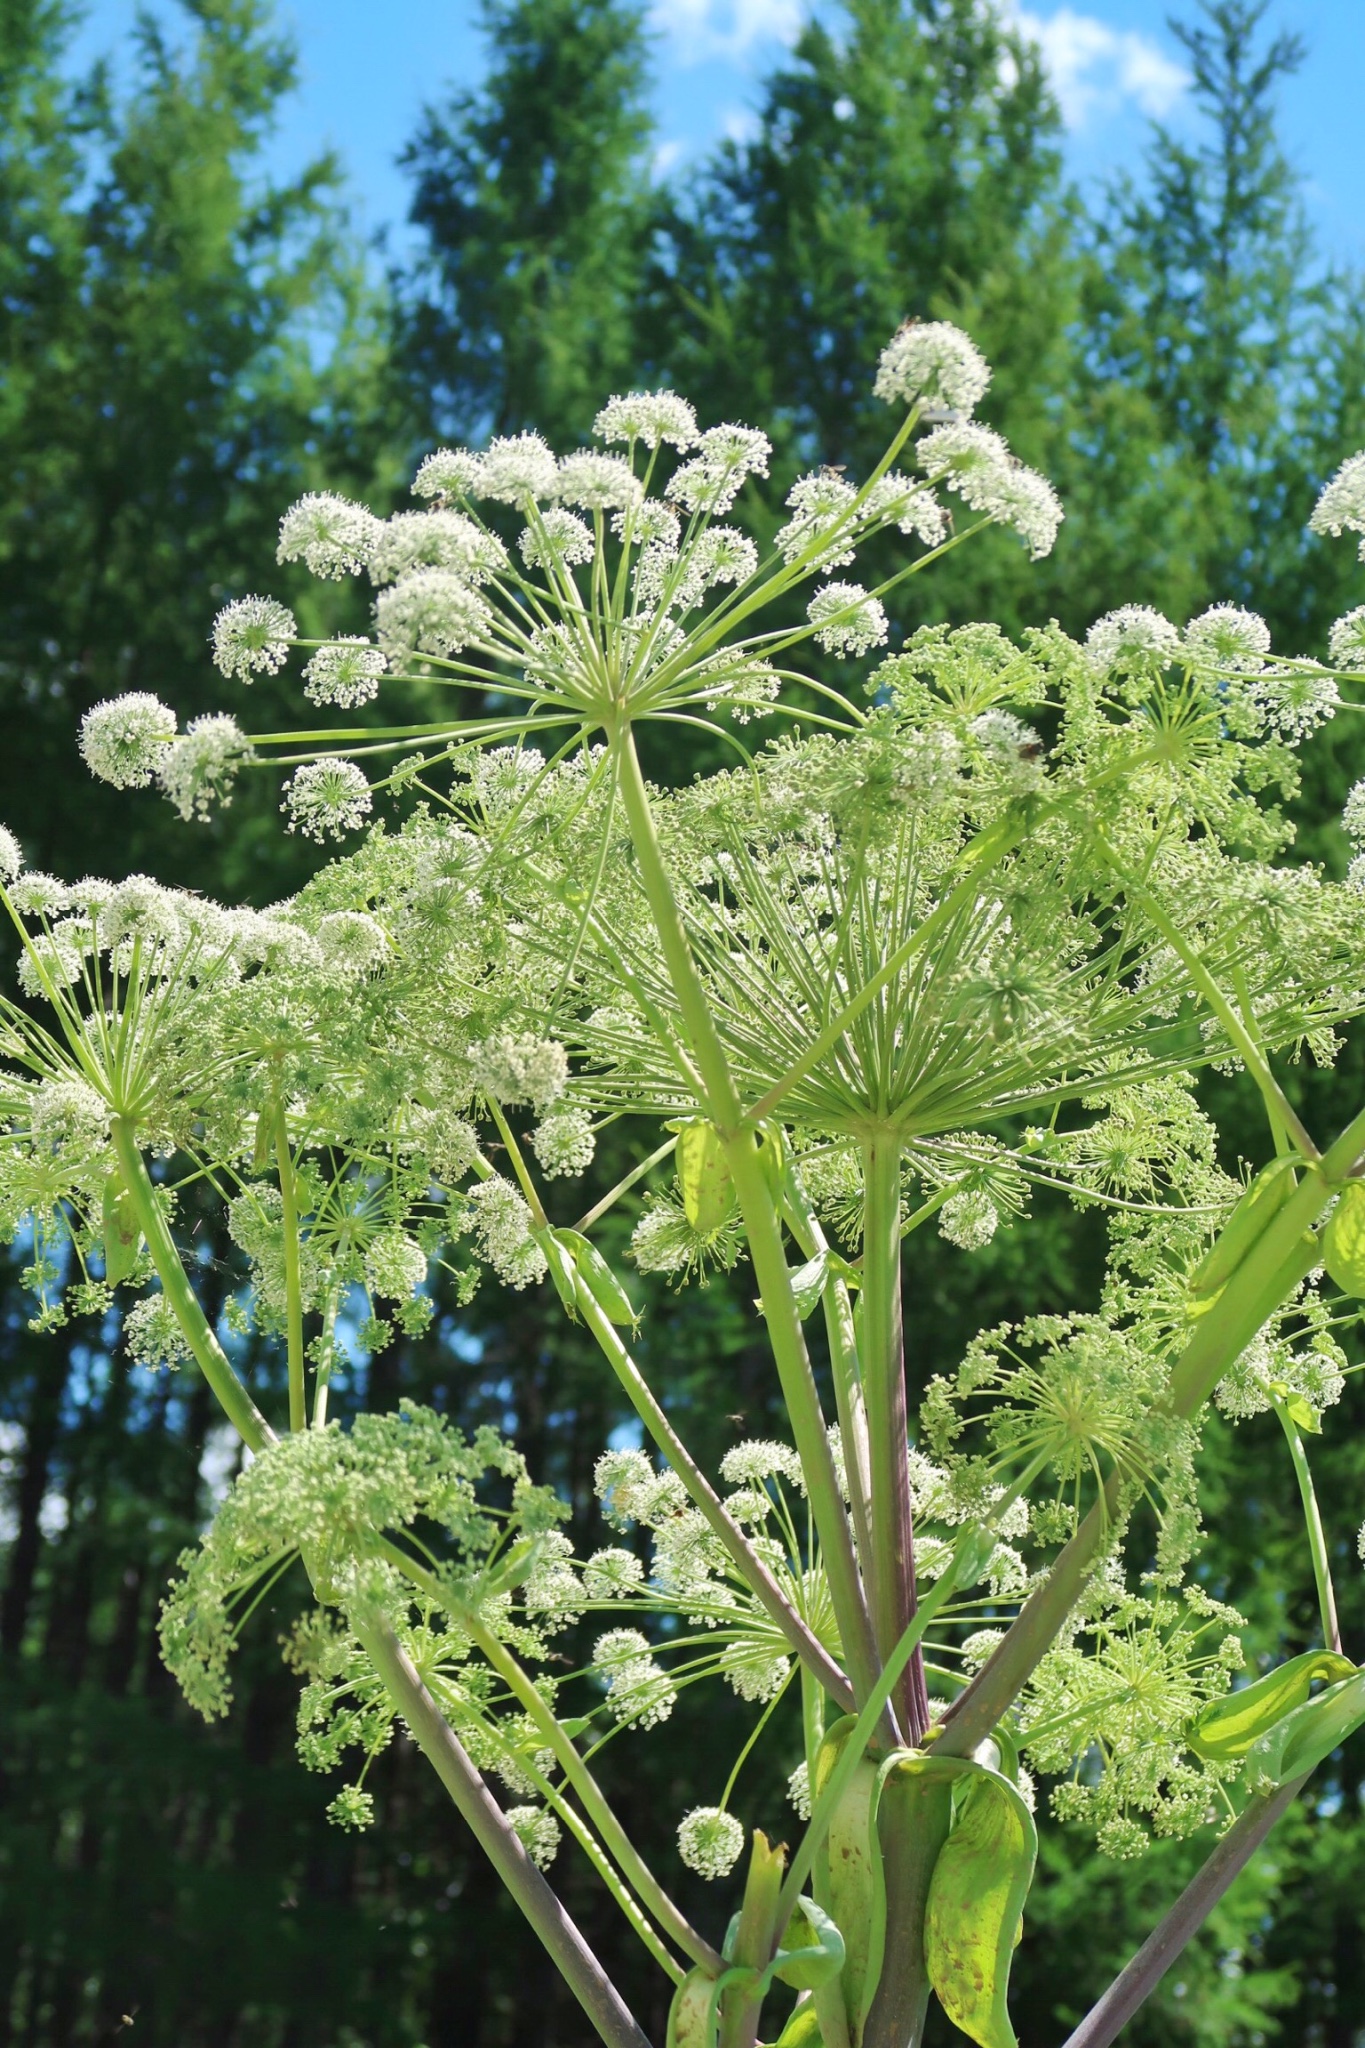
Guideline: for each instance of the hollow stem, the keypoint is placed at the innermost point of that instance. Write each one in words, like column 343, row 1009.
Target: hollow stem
column 893, row 1547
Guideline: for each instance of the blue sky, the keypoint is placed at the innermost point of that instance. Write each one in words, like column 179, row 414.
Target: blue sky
column 367, row 71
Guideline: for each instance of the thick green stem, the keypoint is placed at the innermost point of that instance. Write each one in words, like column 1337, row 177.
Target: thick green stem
column 443, row 1749
column 293, row 1287
column 233, row 1398
column 762, row 1229
column 756, row 1574
column 846, row 1367
column 913, row 1820
column 1317, row 1540
column 893, row 1544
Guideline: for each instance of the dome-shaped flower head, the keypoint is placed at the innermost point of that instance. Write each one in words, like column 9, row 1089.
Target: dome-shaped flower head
column 252, row 636
column 324, row 799
column 124, row 739
column 933, row 363
column 710, row 1841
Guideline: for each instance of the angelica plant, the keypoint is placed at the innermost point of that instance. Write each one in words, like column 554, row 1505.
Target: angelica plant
column 964, row 929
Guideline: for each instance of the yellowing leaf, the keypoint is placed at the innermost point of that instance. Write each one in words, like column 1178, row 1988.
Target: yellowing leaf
column 692, row 2015
column 1343, row 1241
column 854, row 1856
column 976, row 1904
column 1227, row 1728
column 802, row 2030
column 812, row 1949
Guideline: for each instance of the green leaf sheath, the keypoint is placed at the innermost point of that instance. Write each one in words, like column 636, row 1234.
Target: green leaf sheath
column 1229, row 1727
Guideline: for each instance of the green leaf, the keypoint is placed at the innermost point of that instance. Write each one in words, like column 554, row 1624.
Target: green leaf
column 122, row 1235
column 598, row 1277
column 1299, row 1411
column 809, row 1281
column 812, row 1950
column 704, row 1176
column 1251, row 1218
column 1305, row 1736
column 976, row 1904
column 1343, row 1241
column 692, row 2017
column 1228, row 1728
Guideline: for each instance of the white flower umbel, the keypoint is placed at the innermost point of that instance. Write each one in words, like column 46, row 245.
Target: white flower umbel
column 124, row 739
column 1346, row 641
column 1341, row 504
column 968, row 1220
column 537, row 1831
column 933, row 363
column 710, row 1841
column 639, row 1691
column 1226, row 637
column 346, row 672
column 326, row 799
column 252, row 636
column 434, row 540
column 352, row 944
column 501, row 1224
column 520, row 1068
column 1353, row 816
column 564, row 1144
column 561, row 541
column 448, row 473
column 977, row 464
column 597, row 482
column 516, row 470
column 818, row 504
column 198, row 770
column 395, row 1265
column 648, row 417
column 152, row 1335
column 433, row 611
column 846, row 619
column 1294, row 702
column 331, row 535
column 1132, row 636
column 11, row 855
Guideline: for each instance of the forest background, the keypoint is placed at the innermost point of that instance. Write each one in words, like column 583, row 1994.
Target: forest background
column 184, row 347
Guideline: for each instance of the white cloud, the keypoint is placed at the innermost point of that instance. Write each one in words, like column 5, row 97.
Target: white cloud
column 1096, row 69
column 732, row 29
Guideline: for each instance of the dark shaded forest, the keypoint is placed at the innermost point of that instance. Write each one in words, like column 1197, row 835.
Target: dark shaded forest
column 184, row 348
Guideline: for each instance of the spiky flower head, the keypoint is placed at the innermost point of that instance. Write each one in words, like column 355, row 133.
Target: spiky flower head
column 1226, row 636
column 933, row 363
column 332, row 535
column 346, row 672
column 448, row 473
column 433, row 611
column 153, row 1336
column 969, row 1220
column 252, row 636
column 324, row 799
column 395, row 1265
column 648, row 417
column 1346, row 641
column 198, row 770
column 516, row 470
column 1341, row 503
column 846, row 619
column 124, row 739
column 710, row 1841
column 537, row 1831
column 1132, row 636
column 564, row 1143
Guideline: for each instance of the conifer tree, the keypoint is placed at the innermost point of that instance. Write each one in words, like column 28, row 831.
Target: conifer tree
column 534, row 202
